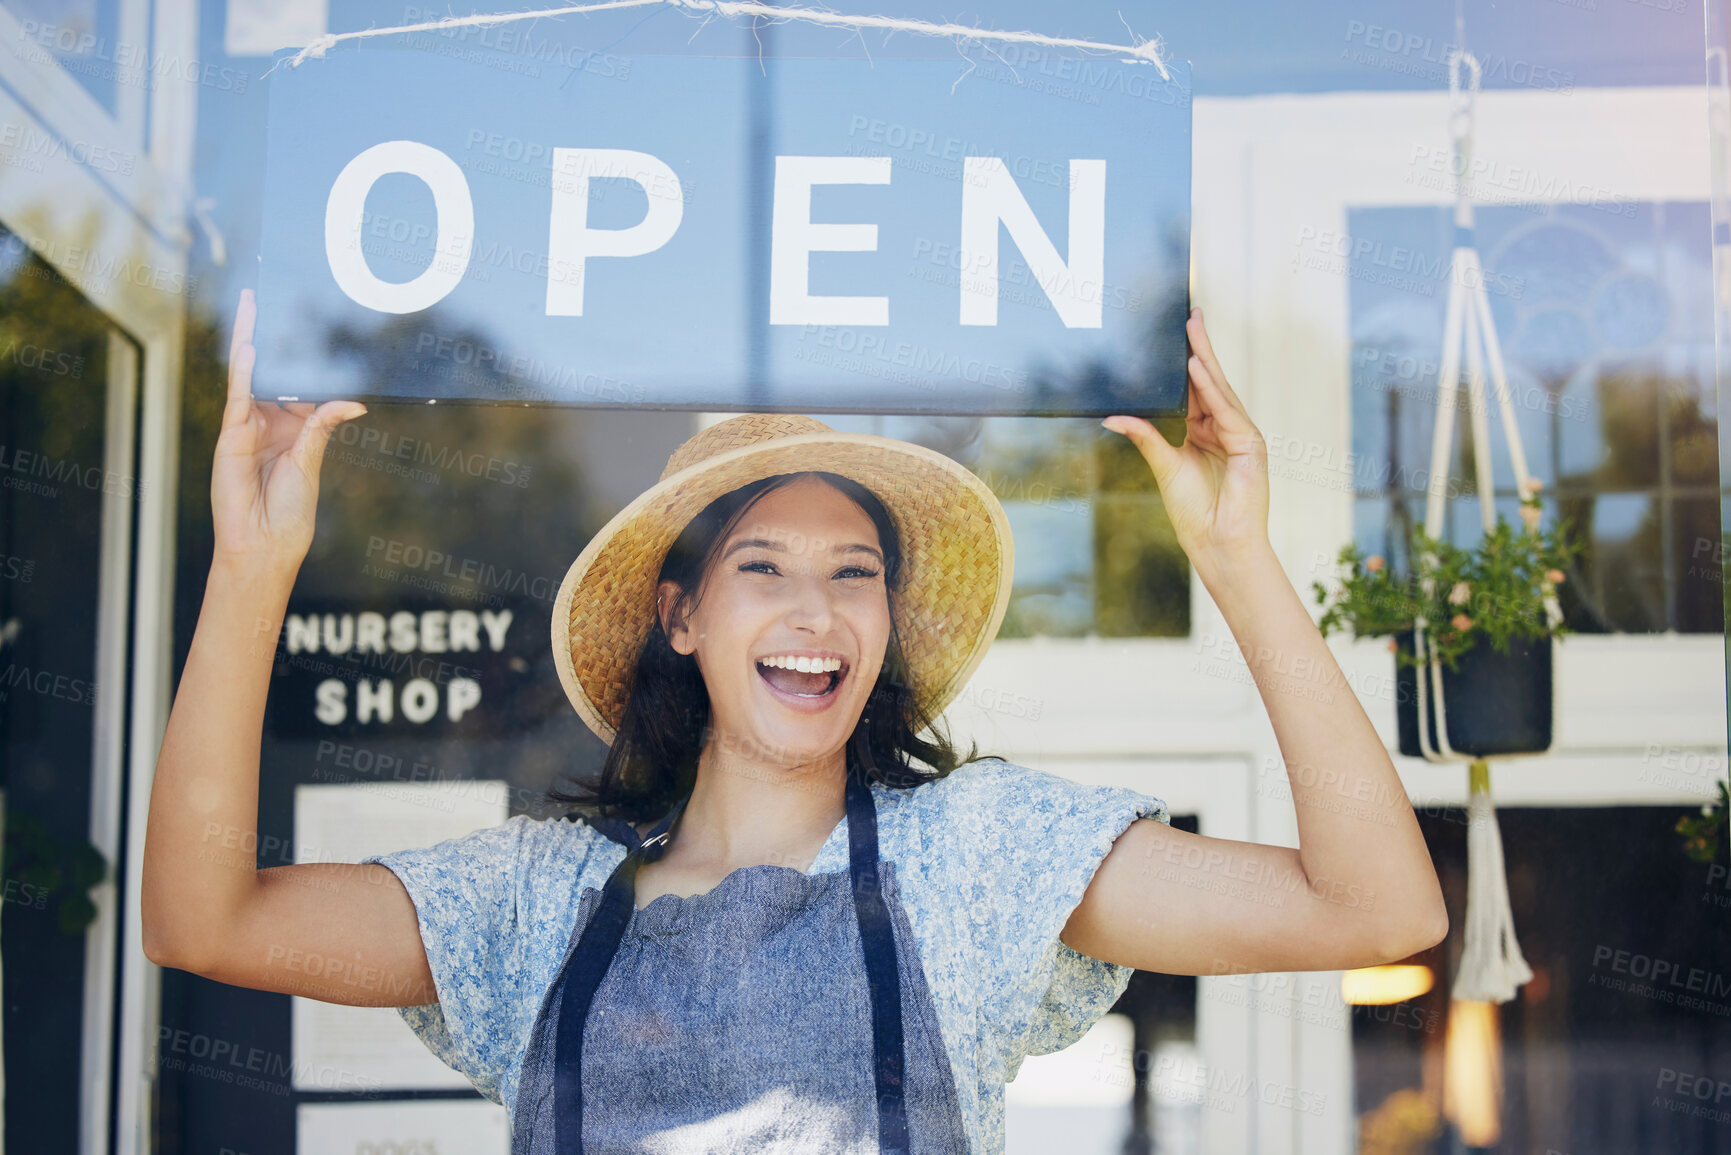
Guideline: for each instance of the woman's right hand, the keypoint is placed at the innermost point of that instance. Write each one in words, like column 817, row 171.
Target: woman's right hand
column 264, row 483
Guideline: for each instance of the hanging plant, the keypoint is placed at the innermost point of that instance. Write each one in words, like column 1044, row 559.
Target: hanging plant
column 1495, row 591
column 52, row 869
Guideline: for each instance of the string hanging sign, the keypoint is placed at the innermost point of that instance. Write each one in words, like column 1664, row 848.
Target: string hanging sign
column 525, row 219
column 1148, row 50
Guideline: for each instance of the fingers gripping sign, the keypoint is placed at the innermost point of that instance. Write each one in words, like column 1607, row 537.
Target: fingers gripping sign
column 1215, row 484
column 265, row 476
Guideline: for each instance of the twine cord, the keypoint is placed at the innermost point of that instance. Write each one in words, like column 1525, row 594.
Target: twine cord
column 1491, row 966
column 1144, row 51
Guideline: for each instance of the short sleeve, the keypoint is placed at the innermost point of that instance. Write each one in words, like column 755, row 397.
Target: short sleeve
column 1030, row 843
column 466, row 897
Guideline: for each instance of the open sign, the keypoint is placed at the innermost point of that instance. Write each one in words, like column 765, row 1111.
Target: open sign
column 990, row 198
column 989, row 244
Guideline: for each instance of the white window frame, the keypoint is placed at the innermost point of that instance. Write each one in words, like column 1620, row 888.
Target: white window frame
column 80, row 221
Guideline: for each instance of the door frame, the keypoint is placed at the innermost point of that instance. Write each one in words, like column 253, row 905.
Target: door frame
column 87, row 225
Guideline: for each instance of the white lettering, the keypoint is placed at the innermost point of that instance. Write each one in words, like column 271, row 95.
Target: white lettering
column 1076, row 287
column 570, row 240
column 793, row 237
column 452, row 207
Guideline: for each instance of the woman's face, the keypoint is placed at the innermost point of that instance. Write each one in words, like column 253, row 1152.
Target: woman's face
column 790, row 625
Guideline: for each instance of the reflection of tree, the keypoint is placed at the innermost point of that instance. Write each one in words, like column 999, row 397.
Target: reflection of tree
column 1651, row 440
column 1161, row 350
column 53, row 385
column 53, row 351
column 446, row 449
column 411, row 474
column 1140, row 576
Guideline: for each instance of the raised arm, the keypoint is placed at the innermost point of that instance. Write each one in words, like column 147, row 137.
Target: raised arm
column 337, row 932
column 1359, row 889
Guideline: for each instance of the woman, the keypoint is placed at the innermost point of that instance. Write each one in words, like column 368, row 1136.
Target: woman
column 798, row 920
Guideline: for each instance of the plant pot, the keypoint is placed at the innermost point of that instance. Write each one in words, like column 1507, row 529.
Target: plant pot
column 1494, row 703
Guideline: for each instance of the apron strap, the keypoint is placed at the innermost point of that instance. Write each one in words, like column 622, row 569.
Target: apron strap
column 583, row 974
column 600, row 942
column 877, row 936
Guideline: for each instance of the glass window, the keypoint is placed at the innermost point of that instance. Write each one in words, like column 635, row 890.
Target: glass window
column 1605, row 318
column 83, row 38
column 55, row 478
column 1095, row 552
column 425, row 510
column 1620, row 1041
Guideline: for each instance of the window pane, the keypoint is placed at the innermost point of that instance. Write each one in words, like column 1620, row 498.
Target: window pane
column 1628, row 1013
column 1700, row 606
column 1054, row 578
column 1095, row 551
column 1143, row 575
column 80, row 36
column 1603, row 317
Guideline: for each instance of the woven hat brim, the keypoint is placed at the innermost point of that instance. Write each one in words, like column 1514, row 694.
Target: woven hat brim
column 957, row 563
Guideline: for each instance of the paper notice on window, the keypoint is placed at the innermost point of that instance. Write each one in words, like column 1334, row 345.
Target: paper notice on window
column 420, row 1127
column 345, row 1048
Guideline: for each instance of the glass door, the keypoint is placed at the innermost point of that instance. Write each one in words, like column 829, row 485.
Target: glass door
column 68, row 396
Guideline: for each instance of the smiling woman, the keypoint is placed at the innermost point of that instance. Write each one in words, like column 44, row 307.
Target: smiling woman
column 823, row 542
column 789, row 917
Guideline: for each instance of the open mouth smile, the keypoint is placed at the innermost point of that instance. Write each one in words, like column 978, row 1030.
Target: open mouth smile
column 807, row 677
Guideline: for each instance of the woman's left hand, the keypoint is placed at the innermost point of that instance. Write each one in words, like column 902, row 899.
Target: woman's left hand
column 1215, row 485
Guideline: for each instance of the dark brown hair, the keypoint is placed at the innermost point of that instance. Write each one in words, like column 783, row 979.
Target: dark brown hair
column 653, row 761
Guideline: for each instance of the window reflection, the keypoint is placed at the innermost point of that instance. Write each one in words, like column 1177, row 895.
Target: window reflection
column 81, row 37
column 1605, row 317
column 1605, row 1051
column 55, row 473
column 1095, row 551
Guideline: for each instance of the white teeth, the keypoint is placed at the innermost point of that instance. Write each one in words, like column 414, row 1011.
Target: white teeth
column 801, row 664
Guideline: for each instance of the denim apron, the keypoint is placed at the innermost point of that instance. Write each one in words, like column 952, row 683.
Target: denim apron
column 778, row 1013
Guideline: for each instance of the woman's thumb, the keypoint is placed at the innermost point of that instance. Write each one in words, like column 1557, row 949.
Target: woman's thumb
column 309, row 447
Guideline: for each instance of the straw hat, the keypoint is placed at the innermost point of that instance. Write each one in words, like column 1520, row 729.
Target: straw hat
column 956, row 554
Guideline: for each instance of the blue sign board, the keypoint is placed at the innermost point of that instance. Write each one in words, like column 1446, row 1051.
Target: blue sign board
column 917, row 236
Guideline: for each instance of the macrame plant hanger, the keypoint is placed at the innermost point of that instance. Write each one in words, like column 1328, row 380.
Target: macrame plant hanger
column 1491, row 965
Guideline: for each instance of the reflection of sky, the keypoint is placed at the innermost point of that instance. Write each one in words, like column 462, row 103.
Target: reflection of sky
column 83, row 36
column 1065, row 551
column 1369, row 533
column 1237, row 47
column 1617, row 516
column 1054, row 568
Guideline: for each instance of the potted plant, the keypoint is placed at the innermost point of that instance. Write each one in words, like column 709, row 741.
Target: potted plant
column 1487, row 623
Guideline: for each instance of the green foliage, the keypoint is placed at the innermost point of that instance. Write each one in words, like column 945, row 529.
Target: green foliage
column 67, row 871
column 1703, row 836
column 1496, row 589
